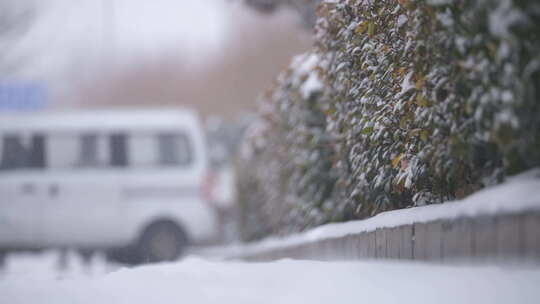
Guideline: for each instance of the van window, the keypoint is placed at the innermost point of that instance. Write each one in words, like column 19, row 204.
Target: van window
column 174, row 149
column 94, row 150
column 118, row 150
column 20, row 152
column 159, row 150
column 63, row 151
column 142, row 150
column 36, row 154
column 97, row 150
column 88, row 155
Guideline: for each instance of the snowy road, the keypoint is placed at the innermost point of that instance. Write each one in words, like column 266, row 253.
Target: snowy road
column 31, row 280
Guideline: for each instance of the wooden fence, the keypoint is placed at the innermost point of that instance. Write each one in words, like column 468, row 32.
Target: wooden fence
column 502, row 238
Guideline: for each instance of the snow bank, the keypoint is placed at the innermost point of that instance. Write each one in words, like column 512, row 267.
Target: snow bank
column 198, row 281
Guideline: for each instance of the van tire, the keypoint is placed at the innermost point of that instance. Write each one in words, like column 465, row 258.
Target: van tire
column 161, row 241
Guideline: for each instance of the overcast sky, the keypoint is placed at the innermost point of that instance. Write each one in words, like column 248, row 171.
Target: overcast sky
column 75, row 34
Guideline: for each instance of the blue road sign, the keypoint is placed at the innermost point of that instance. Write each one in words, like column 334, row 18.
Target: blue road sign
column 22, row 96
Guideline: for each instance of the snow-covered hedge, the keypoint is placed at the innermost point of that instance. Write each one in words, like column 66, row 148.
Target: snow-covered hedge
column 400, row 103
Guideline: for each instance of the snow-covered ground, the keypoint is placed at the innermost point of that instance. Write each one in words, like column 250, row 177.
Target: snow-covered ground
column 41, row 278
column 36, row 279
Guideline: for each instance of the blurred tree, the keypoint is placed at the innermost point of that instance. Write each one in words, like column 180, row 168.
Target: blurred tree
column 16, row 17
column 265, row 6
column 306, row 8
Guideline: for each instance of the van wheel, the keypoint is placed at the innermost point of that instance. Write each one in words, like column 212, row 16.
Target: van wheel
column 161, row 241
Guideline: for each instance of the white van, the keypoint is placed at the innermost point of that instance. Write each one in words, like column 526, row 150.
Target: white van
column 130, row 183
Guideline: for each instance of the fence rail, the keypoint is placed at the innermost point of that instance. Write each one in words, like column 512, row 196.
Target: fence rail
column 498, row 238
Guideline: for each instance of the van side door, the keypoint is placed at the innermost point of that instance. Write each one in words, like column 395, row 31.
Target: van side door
column 84, row 211
column 22, row 168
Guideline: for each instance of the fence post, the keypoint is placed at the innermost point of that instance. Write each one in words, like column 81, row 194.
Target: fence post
column 433, row 241
column 406, row 248
column 393, row 242
column 380, row 241
column 508, row 237
column 372, row 251
column 419, row 245
column 531, row 236
column 485, row 238
column 458, row 239
column 362, row 245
